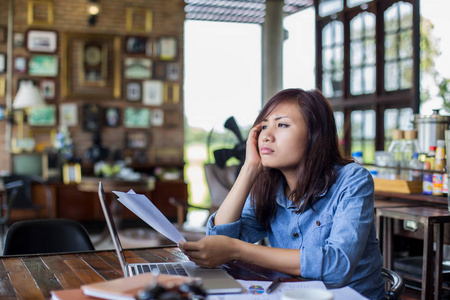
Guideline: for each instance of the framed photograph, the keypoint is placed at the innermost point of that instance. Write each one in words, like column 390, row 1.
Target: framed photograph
column 42, row 41
column 137, row 140
column 137, row 68
column 157, row 117
column 152, row 92
column 90, row 66
column 3, row 34
column 91, row 117
column 48, row 89
column 136, row 45
column 71, row 173
column 167, row 48
column 173, row 72
column 139, row 19
column 134, row 91
column 42, row 115
column 68, row 114
column 171, row 118
column 40, row 12
column 20, row 65
column 43, row 65
column 112, row 117
column 18, row 39
column 171, row 92
column 2, row 62
column 2, row 86
column 137, row 117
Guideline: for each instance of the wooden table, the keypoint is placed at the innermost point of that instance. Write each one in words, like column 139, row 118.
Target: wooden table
column 35, row 276
column 431, row 218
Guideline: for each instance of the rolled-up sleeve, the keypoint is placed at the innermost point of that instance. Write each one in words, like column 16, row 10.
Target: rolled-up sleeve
column 337, row 258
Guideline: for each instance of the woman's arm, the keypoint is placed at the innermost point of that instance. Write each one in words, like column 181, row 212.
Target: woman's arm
column 231, row 208
column 215, row 250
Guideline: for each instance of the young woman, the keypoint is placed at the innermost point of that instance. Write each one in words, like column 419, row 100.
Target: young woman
column 315, row 207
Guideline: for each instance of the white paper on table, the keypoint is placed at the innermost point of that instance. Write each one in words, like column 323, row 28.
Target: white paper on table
column 276, row 294
column 142, row 207
column 344, row 293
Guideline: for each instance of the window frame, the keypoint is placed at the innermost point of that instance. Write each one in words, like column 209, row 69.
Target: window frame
column 380, row 100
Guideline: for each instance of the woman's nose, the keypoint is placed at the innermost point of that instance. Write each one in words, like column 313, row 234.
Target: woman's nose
column 266, row 136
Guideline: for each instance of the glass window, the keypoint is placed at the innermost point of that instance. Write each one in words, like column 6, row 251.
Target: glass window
column 398, row 46
column 363, row 133
column 328, row 7
column 396, row 119
column 332, row 59
column 362, row 54
column 353, row 3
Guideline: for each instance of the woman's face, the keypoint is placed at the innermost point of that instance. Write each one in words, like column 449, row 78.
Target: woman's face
column 283, row 137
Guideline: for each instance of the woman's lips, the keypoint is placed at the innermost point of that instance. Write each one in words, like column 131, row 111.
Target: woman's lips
column 265, row 150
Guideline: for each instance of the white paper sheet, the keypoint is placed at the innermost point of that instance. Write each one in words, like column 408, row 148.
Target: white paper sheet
column 142, row 207
column 344, row 293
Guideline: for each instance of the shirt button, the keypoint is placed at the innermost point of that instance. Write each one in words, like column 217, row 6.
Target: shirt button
column 295, row 234
column 318, row 223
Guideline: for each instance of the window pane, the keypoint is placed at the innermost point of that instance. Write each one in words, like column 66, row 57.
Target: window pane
column 339, row 118
column 327, row 88
column 357, row 124
column 355, row 81
column 327, row 35
column 353, row 3
column 406, row 71
column 391, row 19
column 370, row 48
column 328, row 7
column 338, row 32
column 405, row 49
column 327, row 57
column 369, row 79
column 370, row 24
column 391, row 76
column 356, row 53
column 356, row 28
column 406, row 11
column 369, row 124
column 390, row 46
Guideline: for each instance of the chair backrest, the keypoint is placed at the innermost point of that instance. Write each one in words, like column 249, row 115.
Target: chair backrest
column 395, row 281
column 46, row 236
column 219, row 182
column 23, row 198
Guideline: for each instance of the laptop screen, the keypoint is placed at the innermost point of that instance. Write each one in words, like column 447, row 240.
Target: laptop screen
column 112, row 228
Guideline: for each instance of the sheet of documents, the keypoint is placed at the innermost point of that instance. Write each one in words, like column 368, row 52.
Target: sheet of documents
column 256, row 290
column 142, row 207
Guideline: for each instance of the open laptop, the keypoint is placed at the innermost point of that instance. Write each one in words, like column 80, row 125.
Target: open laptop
column 215, row 281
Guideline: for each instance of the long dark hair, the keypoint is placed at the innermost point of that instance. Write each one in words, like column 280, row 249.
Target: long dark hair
column 315, row 172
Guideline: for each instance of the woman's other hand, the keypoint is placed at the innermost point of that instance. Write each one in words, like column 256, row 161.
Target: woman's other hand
column 210, row 251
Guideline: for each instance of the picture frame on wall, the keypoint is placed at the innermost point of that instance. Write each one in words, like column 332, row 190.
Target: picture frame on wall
column 157, row 117
column 2, row 62
column 42, row 41
column 2, row 86
column 133, row 91
column 2, row 112
column 136, row 45
column 112, row 116
column 20, row 65
column 43, row 65
column 138, row 68
column 167, row 48
column 42, row 115
column 171, row 92
column 68, row 114
column 152, row 92
column 91, row 117
column 173, row 72
column 137, row 140
column 48, row 89
column 18, row 39
column 137, row 117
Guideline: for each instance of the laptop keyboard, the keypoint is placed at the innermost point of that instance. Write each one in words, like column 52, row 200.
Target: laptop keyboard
column 170, row 269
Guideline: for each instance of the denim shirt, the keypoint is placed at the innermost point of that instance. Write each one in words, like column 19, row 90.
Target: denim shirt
column 337, row 239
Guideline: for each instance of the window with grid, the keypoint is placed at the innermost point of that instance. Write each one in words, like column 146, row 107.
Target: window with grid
column 366, row 67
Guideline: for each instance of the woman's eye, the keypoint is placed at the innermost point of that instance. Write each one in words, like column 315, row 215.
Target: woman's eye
column 283, row 125
column 263, row 127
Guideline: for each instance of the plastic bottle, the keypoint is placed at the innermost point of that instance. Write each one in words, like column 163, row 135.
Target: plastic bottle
column 439, row 165
column 358, row 156
column 416, row 165
column 428, row 176
column 395, row 148
column 409, row 147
